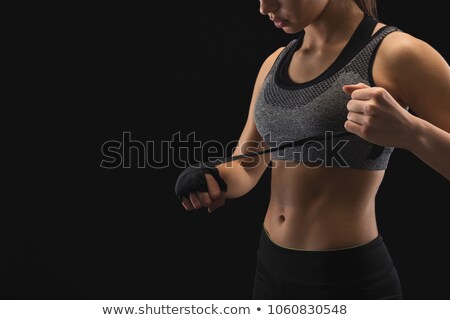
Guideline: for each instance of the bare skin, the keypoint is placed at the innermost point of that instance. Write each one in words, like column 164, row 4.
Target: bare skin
column 333, row 208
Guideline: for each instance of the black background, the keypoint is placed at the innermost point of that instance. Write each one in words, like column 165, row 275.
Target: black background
column 72, row 230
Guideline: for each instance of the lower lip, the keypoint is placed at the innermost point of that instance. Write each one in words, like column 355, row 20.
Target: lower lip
column 280, row 24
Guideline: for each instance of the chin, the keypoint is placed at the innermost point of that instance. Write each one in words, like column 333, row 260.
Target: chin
column 290, row 30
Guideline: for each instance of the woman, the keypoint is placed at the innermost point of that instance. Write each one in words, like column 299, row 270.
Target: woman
column 345, row 72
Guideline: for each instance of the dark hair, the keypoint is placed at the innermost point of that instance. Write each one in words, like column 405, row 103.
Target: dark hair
column 368, row 6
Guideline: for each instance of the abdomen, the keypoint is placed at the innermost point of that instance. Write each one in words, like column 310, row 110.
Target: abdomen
column 321, row 208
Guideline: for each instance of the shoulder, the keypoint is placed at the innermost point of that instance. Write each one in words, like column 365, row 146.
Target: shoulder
column 402, row 53
column 270, row 60
column 405, row 62
column 400, row 47
column 268, row 63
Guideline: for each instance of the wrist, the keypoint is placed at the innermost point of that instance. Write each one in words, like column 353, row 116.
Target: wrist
column 416, row 136
column 214, row 171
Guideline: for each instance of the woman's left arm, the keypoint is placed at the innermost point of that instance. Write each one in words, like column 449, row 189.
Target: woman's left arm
column 420, row 78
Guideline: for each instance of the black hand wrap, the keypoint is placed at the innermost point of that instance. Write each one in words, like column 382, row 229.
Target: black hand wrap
column 193, row 180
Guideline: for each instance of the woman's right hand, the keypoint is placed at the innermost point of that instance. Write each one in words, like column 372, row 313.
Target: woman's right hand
column 199, row 187
column 212, row 199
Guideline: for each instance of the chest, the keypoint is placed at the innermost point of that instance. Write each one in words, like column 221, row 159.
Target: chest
column 296, row 114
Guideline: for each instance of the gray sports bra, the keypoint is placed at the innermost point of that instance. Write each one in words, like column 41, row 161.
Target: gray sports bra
column 286, row 112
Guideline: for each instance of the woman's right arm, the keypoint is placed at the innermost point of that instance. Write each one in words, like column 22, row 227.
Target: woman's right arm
column 242, row 175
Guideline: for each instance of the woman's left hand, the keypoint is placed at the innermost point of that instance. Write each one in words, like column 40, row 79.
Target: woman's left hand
column 375, row 116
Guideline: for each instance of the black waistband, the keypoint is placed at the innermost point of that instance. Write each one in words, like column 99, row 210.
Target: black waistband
column 360, row 263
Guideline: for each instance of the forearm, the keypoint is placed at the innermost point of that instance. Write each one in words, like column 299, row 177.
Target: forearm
column 237, row 179
column 432, row 145
column 241, row 176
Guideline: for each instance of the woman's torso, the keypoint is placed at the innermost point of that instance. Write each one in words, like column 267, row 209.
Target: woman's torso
column 322, row 208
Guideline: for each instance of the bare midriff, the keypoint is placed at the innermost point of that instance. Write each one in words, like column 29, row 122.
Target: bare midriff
column 321, row 208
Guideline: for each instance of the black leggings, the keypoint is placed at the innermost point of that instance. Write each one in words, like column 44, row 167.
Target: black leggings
column 362, row 272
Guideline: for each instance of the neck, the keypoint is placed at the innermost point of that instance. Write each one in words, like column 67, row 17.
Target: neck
column 336, row 23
